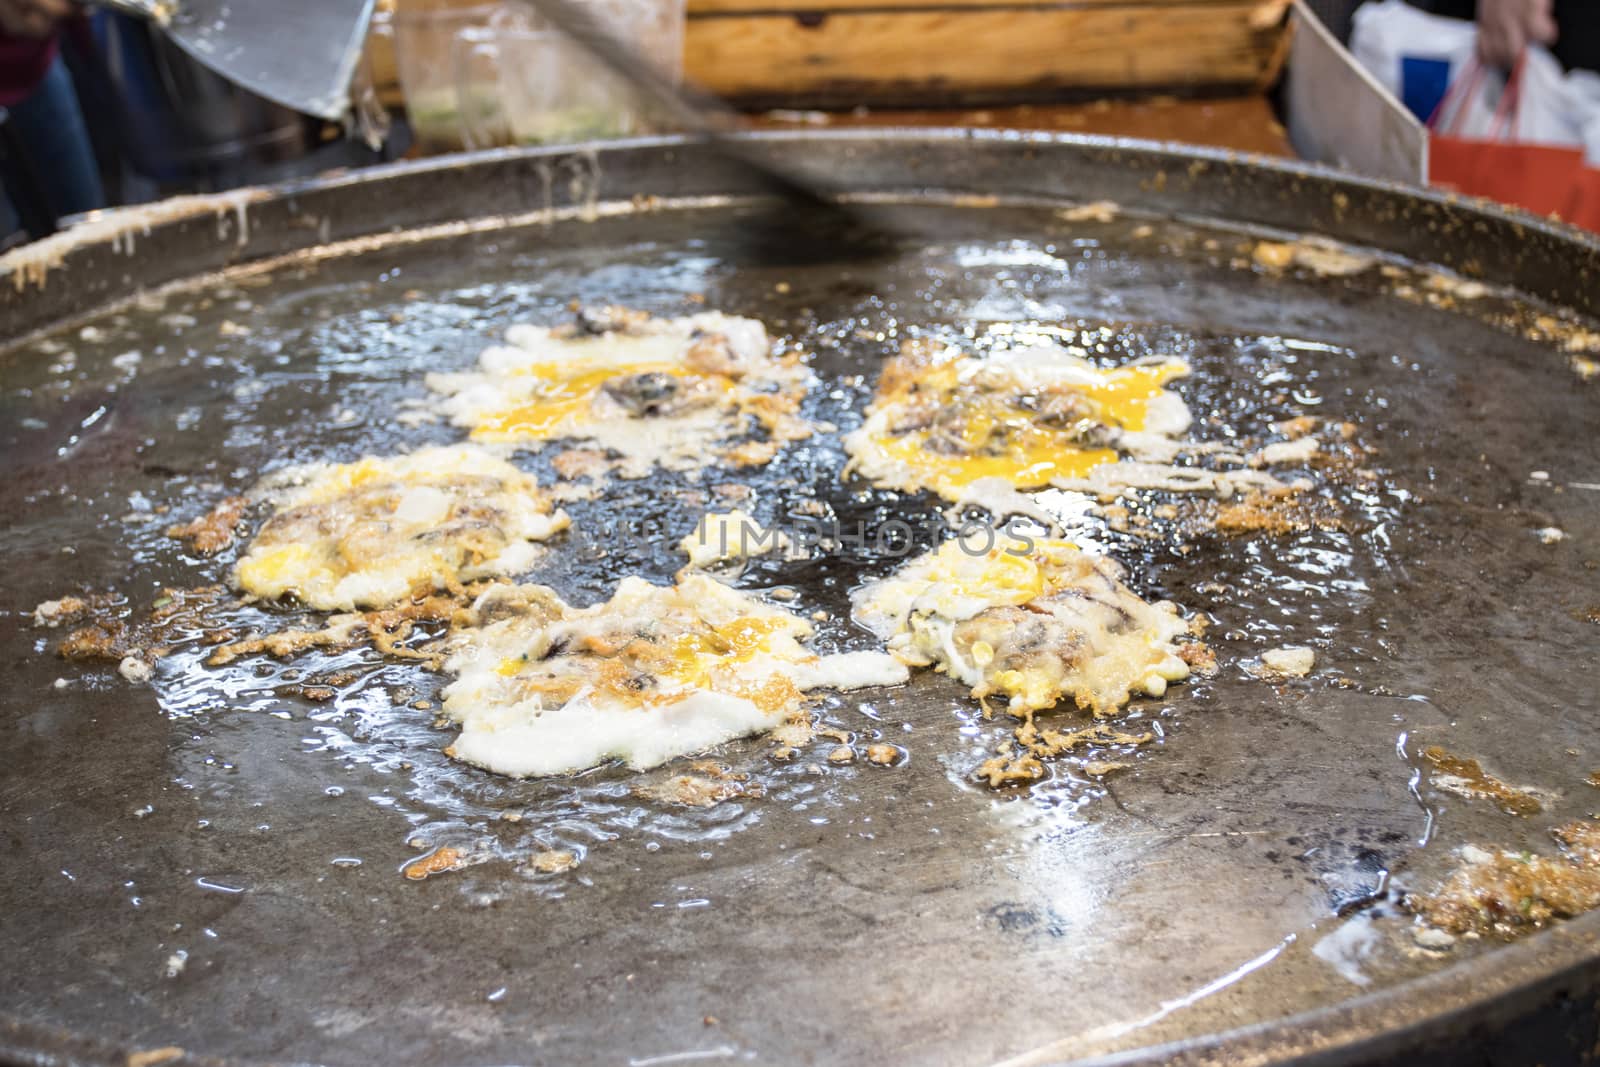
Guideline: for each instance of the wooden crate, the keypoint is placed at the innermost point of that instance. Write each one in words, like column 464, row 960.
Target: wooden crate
column 833, row 53
column 918, row 53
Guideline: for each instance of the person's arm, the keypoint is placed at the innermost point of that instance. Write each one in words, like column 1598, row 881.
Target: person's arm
column 1506, row 27
column 32, row 18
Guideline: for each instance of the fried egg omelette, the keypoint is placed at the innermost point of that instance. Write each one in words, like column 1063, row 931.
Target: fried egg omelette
column 1027, row 621
column 656, row 672
column 370, row 533
column 1030, row 418
column 667, row 392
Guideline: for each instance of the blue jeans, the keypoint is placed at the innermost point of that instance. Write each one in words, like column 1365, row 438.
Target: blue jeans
column 49, row 125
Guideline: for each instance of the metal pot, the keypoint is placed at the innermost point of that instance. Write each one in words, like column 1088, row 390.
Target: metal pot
column 1209, row 906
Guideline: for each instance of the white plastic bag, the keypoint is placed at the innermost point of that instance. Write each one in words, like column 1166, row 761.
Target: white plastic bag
column 1549, row 109
column 1550, row 106
column 1584, row 87
column 1383, row 34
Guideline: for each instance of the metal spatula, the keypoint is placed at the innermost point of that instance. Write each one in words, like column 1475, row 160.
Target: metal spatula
column 819, row 227
column 298, row 53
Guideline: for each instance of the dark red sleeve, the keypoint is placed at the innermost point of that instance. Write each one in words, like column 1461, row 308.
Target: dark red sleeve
column 23, row 62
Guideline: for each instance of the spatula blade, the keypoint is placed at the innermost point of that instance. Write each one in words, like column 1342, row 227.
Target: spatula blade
column 298, row 53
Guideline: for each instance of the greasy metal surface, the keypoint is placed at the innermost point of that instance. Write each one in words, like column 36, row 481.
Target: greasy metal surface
column 1552, row 261
column 177, row 862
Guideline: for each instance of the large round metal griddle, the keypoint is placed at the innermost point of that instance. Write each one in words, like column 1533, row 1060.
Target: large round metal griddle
column 212, row 863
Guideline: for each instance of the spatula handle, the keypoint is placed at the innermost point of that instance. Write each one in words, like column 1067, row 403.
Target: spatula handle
column 692, row 110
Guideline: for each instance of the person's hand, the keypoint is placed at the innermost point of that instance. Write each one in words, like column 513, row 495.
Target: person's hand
column 32, row 18
column 1506, row 27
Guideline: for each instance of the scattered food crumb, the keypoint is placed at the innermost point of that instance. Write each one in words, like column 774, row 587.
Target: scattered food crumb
column 1509, row 893
column 1275, row 513
column 1467, row 778
column 53, row 613
column 414, row 417
column 1297, row 427
column 135, row 669
column 1295, row 450
column 702, row 790
column 1100, row 768
column 1198, row 655
column 1432, row 938
column 1098, row 211
column 553, row 861
column 1290, row 661
column 1273, row 254
column 153, row 1057
column 437, row 862
column 214, row 531
column 842, row 754
column 577, row 463
column 881, row 754
column 1551, row 535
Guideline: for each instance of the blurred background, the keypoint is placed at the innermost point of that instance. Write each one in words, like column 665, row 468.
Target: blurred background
column 98, row 108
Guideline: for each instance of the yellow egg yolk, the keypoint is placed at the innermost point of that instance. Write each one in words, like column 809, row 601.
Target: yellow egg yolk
column 690, row 660
column 271, row 568
column 561, row 396
column 1005, row 440
column 695, row 655
column 1001, row 576
column 344, row 479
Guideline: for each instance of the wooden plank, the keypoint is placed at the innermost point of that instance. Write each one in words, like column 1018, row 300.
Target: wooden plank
column 929, row 55
column 1242, row 124
column 790, row 7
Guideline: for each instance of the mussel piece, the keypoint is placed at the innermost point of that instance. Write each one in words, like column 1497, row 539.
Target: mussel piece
column 598, row 321
column 713, row 353
column 1062, row 408
column 592, row 322
column 650, row 393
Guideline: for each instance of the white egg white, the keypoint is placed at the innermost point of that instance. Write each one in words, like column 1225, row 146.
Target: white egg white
column 1039, row 417
column 543, row 688
column 731, row 537
column 370, row 533
column 650, row 391
column 1028, row 621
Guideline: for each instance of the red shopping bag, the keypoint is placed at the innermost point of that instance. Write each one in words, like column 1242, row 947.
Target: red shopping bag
column 1543, row 179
